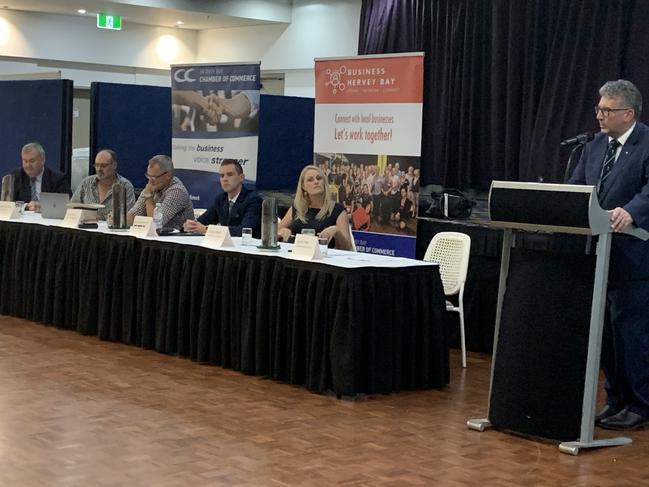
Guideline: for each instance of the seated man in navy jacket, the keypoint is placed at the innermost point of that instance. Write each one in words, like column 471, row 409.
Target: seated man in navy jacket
column 35, row 177
column 236, row 208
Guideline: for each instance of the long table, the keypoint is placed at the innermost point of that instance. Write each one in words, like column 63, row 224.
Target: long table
column 352, row 323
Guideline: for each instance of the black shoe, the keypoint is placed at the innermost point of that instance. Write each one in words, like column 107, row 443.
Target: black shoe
column 607, row 411
column 625, row 420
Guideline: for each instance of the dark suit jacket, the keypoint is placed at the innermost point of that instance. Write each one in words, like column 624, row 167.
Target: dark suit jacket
column 52, row 182
column 627, row 186
column 246, row 213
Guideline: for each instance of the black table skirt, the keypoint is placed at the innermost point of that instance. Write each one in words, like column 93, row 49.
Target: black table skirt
column 352, row 331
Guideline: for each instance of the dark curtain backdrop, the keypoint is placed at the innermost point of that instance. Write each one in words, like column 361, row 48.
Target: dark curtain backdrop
column 506, row 80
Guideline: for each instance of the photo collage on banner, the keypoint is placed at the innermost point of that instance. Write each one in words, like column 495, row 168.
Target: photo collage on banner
column 215, row 116
column 367, row 140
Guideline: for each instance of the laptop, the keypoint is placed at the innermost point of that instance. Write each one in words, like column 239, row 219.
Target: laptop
column 54, row 205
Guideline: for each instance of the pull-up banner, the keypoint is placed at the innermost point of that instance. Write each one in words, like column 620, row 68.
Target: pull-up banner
column 215, row 116
column 367, row 139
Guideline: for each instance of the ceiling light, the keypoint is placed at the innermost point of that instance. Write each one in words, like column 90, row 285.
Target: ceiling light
column 81, row 11
column 179, row 22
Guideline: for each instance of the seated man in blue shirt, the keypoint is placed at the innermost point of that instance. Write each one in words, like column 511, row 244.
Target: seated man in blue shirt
column 35, row 177
column 236, row 208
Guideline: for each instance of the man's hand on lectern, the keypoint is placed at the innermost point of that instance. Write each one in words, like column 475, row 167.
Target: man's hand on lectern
column 620, row 219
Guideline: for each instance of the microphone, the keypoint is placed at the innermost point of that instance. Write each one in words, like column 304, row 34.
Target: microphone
column 578, row 139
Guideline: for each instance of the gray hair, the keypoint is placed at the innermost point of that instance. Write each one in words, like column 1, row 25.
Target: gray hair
column 165, row 162
column 34, row 146
column 625, row 90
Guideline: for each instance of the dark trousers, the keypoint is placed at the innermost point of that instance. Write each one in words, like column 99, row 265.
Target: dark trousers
column 625, row 345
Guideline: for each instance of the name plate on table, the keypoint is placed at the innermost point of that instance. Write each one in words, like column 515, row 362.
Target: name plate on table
column 72, row 218
column 306, row 248
column 217, row 236
column 143, row 227
column 8, row 211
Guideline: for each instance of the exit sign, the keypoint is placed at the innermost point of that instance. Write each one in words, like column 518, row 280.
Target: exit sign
column 106, row 21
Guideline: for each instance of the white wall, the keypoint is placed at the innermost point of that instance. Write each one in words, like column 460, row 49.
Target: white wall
column 77, row 39
column 84, row 74
column 139, row 54
column 316, row 30
column 299, row 82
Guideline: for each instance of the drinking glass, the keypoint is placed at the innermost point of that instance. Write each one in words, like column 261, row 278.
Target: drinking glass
column 20, row 205
column 246, row 236
column 324, row 245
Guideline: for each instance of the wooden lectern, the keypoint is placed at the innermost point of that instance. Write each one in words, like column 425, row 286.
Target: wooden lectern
column 550, row 315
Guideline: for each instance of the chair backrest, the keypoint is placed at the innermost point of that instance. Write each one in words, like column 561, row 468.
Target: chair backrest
column 451, row 251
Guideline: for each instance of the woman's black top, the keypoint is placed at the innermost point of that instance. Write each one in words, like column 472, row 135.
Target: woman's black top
column 311, row 222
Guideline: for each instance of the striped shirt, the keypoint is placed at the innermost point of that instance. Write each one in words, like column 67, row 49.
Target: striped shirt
column 176, row 205
column 87, row 192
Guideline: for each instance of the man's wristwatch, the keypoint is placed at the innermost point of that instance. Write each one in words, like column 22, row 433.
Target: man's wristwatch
column 146, row 195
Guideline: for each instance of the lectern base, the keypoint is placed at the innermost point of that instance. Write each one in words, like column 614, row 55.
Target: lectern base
column 569, row 447
column 573, row 447
column 479, row 424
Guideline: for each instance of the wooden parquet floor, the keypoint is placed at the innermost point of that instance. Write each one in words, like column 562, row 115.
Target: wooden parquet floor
column 75, row 411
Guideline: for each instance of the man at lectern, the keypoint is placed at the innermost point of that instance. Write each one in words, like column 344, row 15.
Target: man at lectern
column 617, row 163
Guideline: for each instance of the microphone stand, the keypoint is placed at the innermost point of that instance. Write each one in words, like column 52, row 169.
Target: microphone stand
column 566, row 175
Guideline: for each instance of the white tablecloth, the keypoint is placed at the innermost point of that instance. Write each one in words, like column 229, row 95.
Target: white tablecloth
column 334, row 257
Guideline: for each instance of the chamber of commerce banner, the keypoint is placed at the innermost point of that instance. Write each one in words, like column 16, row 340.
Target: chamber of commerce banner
column 215, row 116
column 367, row 139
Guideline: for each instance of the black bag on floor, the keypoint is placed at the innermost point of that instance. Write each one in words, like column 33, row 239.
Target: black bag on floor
column 449, row 203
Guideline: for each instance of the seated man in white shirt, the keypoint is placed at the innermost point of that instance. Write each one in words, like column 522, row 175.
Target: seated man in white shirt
column 98, row 188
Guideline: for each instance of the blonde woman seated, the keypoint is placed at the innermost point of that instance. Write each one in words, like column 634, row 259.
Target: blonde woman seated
column 314, row 208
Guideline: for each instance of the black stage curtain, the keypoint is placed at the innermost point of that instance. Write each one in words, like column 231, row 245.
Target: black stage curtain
column 506, row 80
column 369, row 330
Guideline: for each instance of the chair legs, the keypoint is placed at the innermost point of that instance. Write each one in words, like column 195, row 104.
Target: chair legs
column 463, row 345
column 459, row 310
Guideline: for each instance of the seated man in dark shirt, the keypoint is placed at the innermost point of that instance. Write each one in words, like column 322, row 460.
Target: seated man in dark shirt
column 34, row 177
column 236, row 208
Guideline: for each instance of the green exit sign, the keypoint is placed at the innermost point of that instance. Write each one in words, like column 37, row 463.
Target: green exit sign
column 106, row 21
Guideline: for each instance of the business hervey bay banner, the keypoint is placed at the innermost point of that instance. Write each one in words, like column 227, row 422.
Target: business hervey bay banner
column 215, row 116
column 368, row 141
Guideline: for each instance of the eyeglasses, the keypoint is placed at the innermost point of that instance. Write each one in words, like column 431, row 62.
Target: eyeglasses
column 154, row 178
column 607, row 111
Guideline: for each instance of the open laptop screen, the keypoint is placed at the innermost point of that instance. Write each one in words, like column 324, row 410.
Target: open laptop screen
column 54, row 205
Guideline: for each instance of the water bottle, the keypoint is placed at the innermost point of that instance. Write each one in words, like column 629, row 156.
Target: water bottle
column 157, row 216
column 7, row 193
column 269, row 223
column 119, row 206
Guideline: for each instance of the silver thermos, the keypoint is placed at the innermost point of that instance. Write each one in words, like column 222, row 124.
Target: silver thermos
column 269, row 223
column 119, row 206
column 7, row 188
